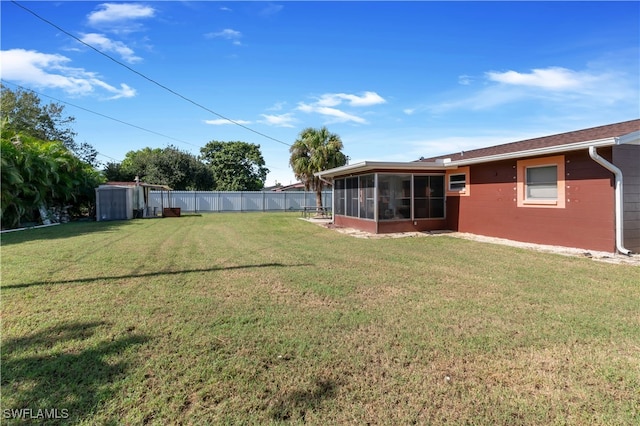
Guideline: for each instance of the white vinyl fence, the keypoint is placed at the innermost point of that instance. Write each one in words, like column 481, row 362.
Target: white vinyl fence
column 240, row 201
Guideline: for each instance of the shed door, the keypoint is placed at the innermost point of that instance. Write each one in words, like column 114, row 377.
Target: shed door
column 113, row 204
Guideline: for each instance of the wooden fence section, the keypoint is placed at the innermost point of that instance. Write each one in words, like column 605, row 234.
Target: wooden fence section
column 240, row 201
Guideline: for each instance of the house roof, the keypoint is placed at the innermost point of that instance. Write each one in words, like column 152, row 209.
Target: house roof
column 602, row 135
column 298, row 186
column 627, row 132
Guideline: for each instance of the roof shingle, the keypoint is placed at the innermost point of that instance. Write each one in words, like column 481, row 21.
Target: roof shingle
column 592, row 134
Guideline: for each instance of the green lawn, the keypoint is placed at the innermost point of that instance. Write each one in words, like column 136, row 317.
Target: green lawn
column 263, row 318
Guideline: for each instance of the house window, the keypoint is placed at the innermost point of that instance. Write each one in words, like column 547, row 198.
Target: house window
column 395, row 197
column 457, row 182
column 410, row 197
column 541, row 183
column 428, row 197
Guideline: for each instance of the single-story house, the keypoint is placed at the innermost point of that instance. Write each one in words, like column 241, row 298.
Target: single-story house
column 578, row 189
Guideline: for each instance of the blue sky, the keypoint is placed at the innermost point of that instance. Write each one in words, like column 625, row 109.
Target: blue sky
column 395, row 80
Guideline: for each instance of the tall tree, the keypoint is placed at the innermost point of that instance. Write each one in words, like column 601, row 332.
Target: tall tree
column 114, row 172
column 236, row 166
column 169, row 166
column 37, row 174
column 23, row 113
column 315, row 150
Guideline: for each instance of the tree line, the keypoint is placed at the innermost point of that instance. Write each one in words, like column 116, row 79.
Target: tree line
column 44, row 168
column 221, row 166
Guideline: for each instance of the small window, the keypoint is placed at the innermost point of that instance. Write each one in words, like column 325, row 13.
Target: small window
column 542, row 183
column 458, row 182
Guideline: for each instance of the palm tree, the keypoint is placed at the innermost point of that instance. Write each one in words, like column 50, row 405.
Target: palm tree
column 315, row 150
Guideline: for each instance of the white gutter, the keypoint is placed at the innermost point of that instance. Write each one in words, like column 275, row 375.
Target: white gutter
column 323, row 179
column 365, row 166
column 618, row 197
column 447, row 163
column 549, row 150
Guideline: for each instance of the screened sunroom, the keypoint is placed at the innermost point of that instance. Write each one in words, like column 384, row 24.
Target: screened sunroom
column 389, row 197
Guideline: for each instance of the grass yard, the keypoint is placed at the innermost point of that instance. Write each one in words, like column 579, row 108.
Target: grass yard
column 262, row 318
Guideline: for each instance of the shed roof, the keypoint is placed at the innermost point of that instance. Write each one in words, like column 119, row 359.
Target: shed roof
column 145, row 185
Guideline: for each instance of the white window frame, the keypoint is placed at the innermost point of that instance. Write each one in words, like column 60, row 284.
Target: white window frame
column 463, row 188
column 460, row 192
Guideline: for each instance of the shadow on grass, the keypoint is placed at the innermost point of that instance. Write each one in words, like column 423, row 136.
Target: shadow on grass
column 65, row 230
column 69, row 384
column 294, row 405
column 150, row 274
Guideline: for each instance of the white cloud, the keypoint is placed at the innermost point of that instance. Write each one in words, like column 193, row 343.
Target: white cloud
column 325, row 105
column 271, row 9
column 105, row 44
column 444, row 145
column 556, row 87
column 464, row 80
column 222, row 121
column 120, row 18
column 367, row 99
column 553, row 78
column 125, row 91
column 51, row 71
column 227, row 34
column 282, row 120
column 278, row 106
column 110, row 13
column 335, row 115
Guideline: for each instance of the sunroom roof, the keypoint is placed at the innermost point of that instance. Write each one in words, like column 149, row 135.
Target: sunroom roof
column 366, row 166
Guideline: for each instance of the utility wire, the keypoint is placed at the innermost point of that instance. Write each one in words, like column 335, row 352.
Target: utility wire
column 102, row 115
column 147, row 78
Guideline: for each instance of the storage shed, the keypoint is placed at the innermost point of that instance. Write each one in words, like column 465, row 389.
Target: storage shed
column 126, row 200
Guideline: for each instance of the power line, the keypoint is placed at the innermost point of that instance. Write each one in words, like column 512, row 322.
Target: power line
column 147, row 78
column 102, row 115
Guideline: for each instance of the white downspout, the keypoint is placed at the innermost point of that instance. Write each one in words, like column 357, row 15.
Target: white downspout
column 618, row 197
